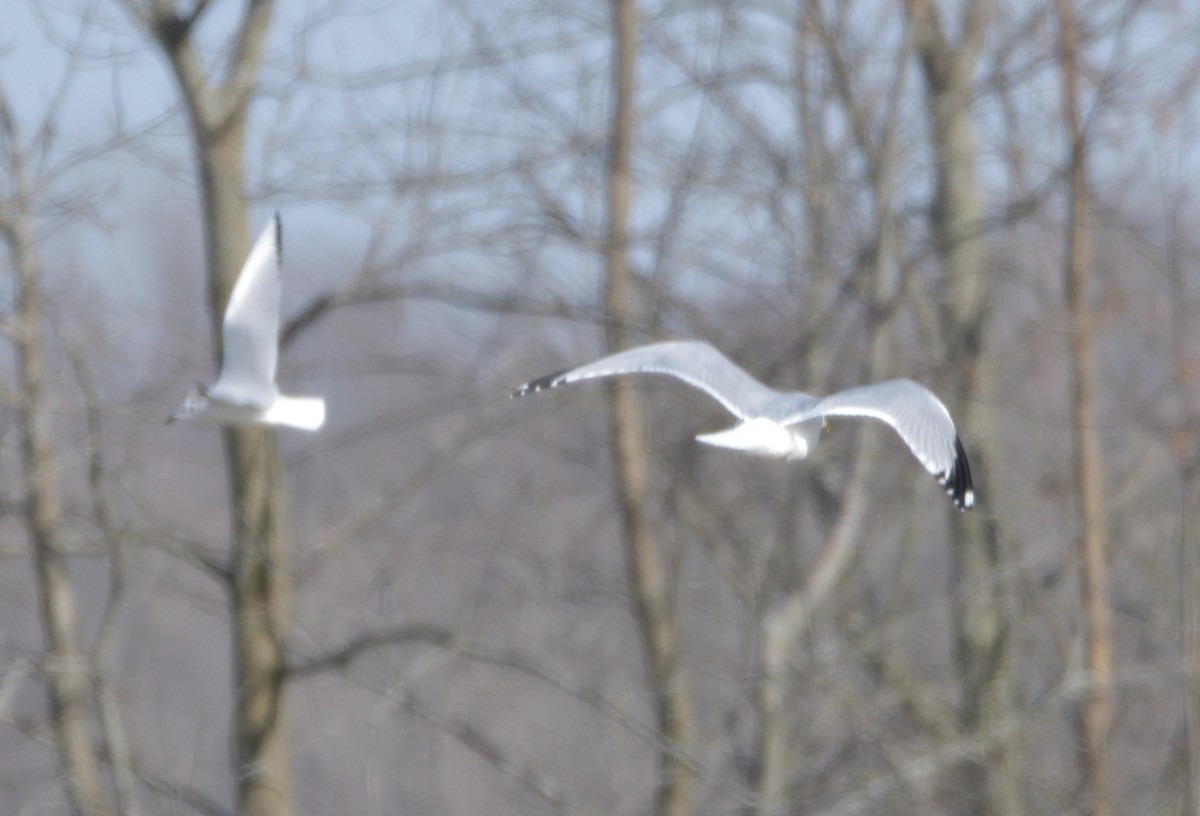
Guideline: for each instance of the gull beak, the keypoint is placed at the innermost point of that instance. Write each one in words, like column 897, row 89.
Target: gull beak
column 824, row 424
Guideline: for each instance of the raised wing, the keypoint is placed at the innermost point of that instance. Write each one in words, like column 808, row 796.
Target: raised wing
column 250, row 331
column 918, row 416
column 697, row 364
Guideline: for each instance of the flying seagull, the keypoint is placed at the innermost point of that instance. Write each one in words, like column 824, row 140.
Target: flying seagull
column 245, row 392
column 788, row 425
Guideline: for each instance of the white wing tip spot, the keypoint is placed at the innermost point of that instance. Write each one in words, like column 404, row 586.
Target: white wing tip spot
column 957, row 480
column 961, row 489
column 540, row 384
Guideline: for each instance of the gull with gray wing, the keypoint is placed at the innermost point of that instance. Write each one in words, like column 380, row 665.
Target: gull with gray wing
column 788, row 424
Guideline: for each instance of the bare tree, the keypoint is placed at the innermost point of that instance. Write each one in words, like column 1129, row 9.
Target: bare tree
column 257, row 577
column 650, row 581
column 1097, row 709
column 65, row 663
column 814, row 188
column 786, row 623
column 1182, row 776
column 982, row 637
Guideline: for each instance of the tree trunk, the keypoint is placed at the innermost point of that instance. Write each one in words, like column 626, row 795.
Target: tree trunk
column 259, row 608
column 258, row 588
column 65, row 666
column 982, row 641
column 1186, row 768
column 1096, row 719
column 654, row 601
column 783, row 627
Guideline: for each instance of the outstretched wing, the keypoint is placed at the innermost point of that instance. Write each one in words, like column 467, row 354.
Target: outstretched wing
column 697, row 364
column 250, row 331
column 918, row 416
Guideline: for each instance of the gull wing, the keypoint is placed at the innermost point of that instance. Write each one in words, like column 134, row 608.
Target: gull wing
column 695, row 363
column 250, row 332
column 918, row 416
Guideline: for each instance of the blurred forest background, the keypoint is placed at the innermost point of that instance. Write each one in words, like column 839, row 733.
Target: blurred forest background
column 449, row 602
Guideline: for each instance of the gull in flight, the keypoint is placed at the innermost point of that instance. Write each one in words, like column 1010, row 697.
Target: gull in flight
column 245, row 392
column 788, row 425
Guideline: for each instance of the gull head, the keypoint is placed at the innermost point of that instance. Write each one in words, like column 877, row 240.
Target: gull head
column 194, row 404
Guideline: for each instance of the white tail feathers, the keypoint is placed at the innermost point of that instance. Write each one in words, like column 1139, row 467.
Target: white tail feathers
column 305, row 413
column 760, row 436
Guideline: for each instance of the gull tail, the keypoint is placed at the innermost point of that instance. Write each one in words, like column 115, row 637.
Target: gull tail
column 305, row 413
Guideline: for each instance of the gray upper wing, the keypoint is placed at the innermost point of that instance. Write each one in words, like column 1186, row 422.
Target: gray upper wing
column 917, row 415
column 697, row 364
column 250, row 331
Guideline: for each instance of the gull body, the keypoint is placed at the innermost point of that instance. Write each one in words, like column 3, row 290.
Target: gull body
column 788, row 425
column 245, row 392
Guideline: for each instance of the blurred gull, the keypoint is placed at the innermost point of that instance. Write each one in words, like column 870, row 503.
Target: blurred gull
column 245, row 392
column 788, row 425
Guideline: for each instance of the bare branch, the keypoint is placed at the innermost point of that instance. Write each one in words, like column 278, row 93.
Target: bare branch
column 111, row 718
column 340, row 658
column 527, row 776
column 65, row 666
column 242, row 71
column 179, row 792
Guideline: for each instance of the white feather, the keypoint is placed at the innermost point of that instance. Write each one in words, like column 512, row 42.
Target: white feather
column 305, row 413
column 789, row 424
column 245, row 392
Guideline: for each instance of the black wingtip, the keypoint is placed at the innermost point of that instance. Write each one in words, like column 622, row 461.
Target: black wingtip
column 961, row 488
column 540, row 384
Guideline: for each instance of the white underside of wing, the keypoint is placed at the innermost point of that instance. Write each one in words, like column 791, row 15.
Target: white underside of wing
column 250, row 329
